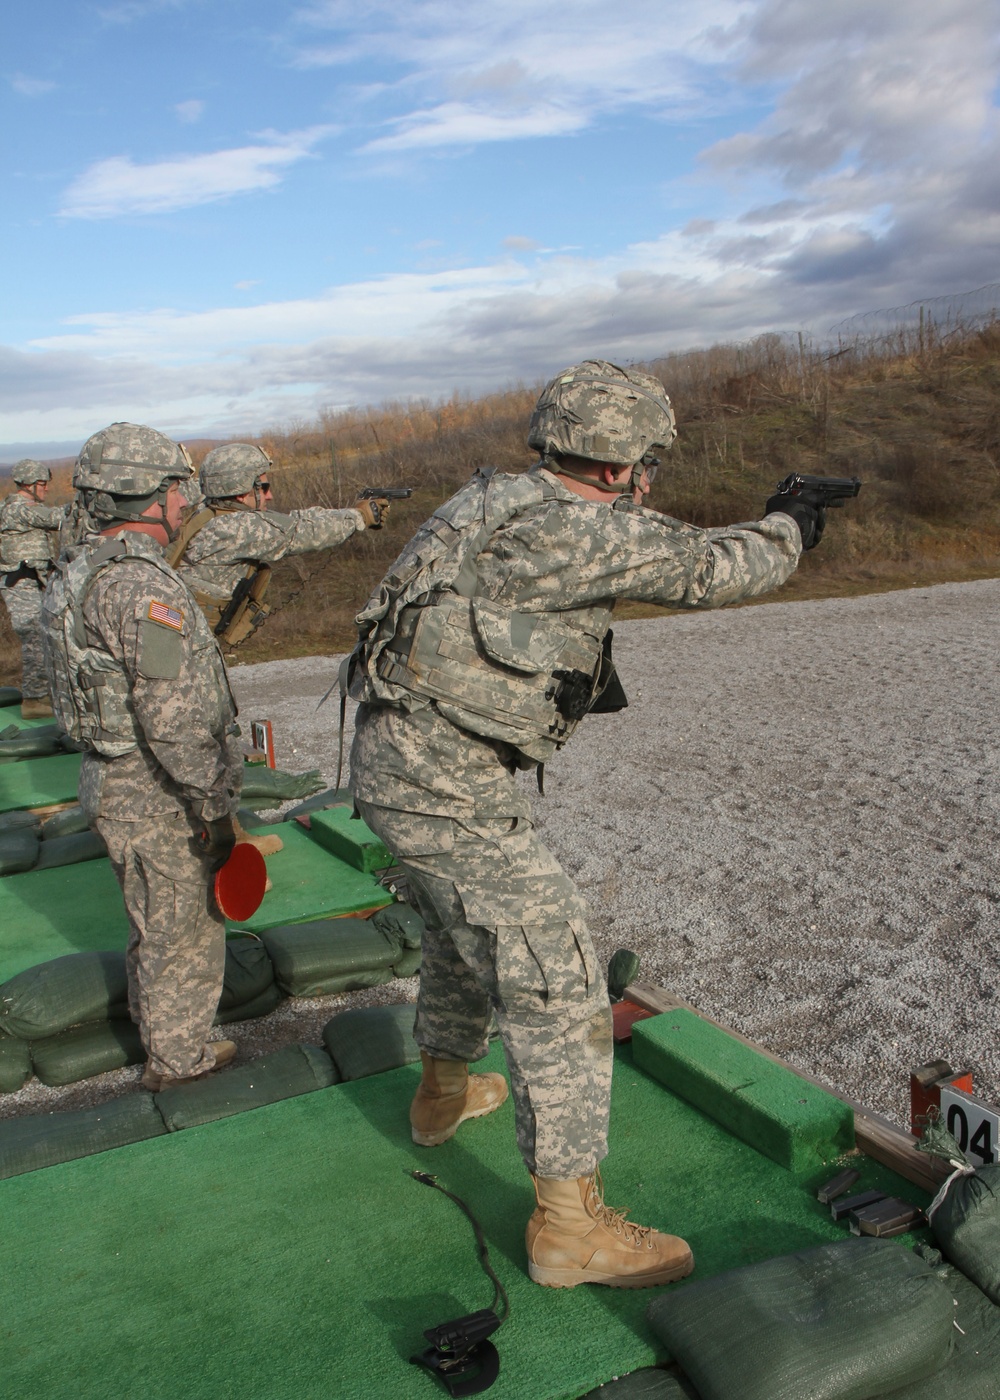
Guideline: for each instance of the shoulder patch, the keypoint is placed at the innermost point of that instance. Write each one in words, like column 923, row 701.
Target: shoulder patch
column 166, row 615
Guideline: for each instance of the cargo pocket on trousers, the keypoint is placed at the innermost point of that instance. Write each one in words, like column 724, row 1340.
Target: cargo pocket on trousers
column 544, row 963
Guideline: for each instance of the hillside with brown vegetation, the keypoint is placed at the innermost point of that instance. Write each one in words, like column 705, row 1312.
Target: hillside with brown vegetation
column 915, row 414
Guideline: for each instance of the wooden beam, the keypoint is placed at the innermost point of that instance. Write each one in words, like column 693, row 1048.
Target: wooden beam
column 874, row 1135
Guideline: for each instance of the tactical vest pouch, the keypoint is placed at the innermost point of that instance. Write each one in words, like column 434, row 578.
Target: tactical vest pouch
column 246, row 610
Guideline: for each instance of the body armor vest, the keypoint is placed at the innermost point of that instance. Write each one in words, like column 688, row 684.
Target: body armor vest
column 232, row 617
column 89, row 687
column 429, row 633
column 22, row 543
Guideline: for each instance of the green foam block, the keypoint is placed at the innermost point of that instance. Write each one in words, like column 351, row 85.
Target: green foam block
column 349, row 839
column 795, row 1123
column 39, row 782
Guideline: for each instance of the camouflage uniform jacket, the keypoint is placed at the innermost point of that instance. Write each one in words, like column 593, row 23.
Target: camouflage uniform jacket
column 28, row 532
column 540, row 570
column 218, row 556
column 141, row 615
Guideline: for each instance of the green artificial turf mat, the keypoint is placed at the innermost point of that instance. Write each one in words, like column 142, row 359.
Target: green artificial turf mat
column 78, row 908
column 348, row 837
column 798, row 1124
column 285, row 1253
column 11, row 714
column 39, row 782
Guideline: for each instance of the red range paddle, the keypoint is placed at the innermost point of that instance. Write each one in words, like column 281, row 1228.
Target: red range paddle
column 239, row 884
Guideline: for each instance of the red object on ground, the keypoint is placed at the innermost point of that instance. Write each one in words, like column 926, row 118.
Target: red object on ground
column 625, row 1014
column 239, row 885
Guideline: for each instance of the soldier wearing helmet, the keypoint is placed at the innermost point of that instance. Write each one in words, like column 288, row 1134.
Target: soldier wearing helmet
column 138, row 679
column 227, row 546
column 29, row 534
column 479, row 653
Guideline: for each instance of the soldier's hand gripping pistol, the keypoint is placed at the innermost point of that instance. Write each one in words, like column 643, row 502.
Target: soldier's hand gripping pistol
column 373, row 503
column 806, row 499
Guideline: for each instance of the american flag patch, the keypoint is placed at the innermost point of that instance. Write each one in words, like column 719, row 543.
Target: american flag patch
column 169, row 617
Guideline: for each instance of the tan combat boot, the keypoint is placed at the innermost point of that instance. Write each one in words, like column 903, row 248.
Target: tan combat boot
column 37, row 708
column 268, row 845
column 448, row 1095
column 573, row 1237
column 225, row 1051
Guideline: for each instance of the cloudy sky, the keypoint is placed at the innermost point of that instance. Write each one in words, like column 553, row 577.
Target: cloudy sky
column 225, row 214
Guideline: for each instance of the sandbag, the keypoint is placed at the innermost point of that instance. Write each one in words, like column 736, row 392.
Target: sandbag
column 648, row 1384
column 973, row 1371
column 330, row 955
column 845, row 1321
column 248, row 973
column 54, row 995
column 400, row 921
column 408, row 965
column 320, row 801
column 261, row 1005
column 15, row 1064
column 19, row 850
column 10, row 695
column 967, row 1228
column 26, row 1144
column 86, row 1050
column 16, row 820
column 69, row 822
column 294, row 1070
column 371, row 1039
column 267, row 787
column 70, row 850
column 32, row 743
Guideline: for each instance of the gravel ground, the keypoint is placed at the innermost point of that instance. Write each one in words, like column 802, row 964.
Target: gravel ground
column 795, row 825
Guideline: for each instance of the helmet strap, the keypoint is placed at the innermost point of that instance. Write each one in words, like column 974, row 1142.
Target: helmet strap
column 614, row 488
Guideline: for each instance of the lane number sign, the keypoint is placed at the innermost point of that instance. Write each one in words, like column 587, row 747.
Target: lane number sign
column 973, row 1124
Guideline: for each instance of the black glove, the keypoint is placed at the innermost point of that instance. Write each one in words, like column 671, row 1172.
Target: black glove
column 808, row 514
column 217, row 841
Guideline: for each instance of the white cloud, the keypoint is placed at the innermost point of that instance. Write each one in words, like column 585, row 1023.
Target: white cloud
column 190, row 111
column 118, row 186
column 458, row 124
column 30, row 87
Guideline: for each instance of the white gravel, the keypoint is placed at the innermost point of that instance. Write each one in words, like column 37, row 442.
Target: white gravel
column 795, row 824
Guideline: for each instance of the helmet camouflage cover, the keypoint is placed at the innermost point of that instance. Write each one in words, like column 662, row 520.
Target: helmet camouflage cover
column 128, row 461
column 232, row 470
column 28, row 471
column 602, row 412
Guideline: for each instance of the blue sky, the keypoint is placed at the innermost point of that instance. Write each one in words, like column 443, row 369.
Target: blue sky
column 222, row 215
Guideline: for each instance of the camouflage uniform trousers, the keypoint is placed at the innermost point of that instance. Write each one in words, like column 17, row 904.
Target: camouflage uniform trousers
column 505, row 933
column 177, row 938
column 24, row 604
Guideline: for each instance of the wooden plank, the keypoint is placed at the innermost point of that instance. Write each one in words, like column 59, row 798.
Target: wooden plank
column 874, row 1135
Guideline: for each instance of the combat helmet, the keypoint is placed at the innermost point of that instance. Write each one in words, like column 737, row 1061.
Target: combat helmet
column 604, row 413
column 232, row 470
column 124, row 469
column 28, row 472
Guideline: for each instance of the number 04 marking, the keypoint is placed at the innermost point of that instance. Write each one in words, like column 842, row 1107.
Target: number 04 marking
column 974, row 1125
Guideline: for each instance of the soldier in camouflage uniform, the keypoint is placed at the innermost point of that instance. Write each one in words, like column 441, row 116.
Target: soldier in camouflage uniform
column 231, row 541
column 480, row 651
column 138, row 677
column 29, row 531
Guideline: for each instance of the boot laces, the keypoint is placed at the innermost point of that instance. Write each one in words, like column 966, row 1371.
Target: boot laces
column 614, row 1219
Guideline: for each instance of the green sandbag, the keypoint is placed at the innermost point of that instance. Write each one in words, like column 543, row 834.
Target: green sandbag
column 320, row 801
column 330, row 955
column 18, row 820
column 648, row 1384
column 19, row 850
column 32, row 743
column 967, row 1228
column 623, row 969
column 248, row 973
column 261, row 1005
column 973, row 1372
column 371, row 1039
column 10, row 732
column 10, row 695
column 15, row 1064
column 70, row 850
column 400, row 921
column 408, row 965
column 26, row 1144
column 85, row 1051
column 845, row 1321
column 294, row 1070
column 249, row 820
column 261, row 782
column 52, row 996
column 69, row 822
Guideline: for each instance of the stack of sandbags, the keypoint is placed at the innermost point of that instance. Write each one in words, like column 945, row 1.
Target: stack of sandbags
column 332, row 955
column 28, row 843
